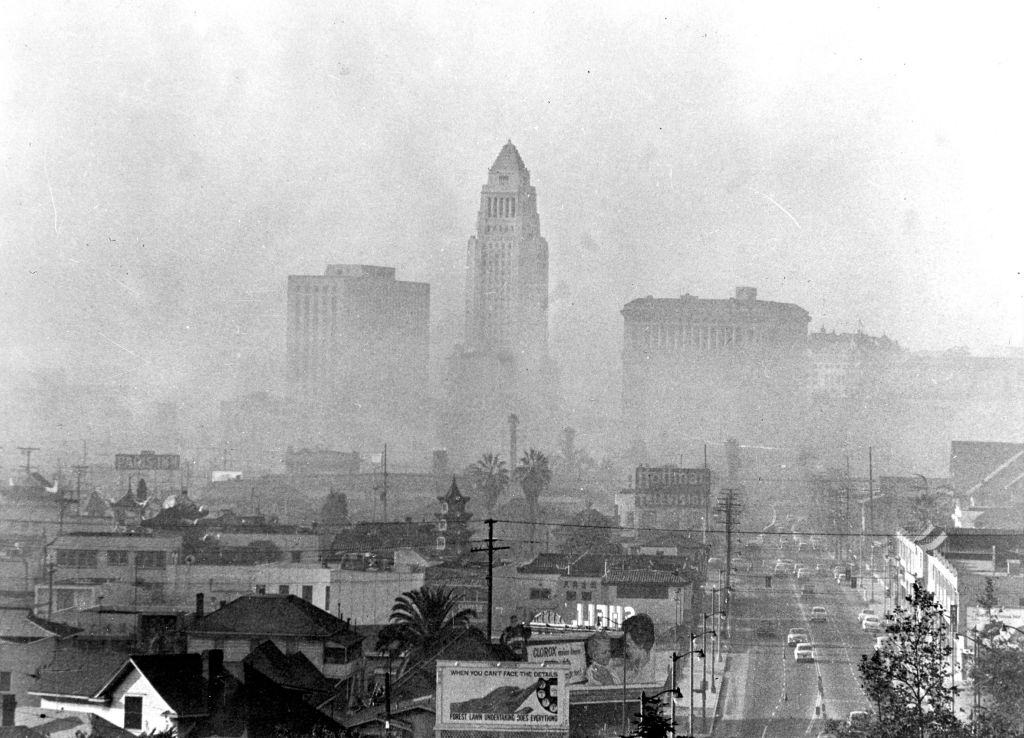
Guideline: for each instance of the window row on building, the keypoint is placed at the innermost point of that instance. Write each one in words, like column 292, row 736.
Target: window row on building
column 500, row 207
column 90, row 559
column 680, row 336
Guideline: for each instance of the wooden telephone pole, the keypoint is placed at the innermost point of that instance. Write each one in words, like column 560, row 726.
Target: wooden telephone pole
column 490, row 549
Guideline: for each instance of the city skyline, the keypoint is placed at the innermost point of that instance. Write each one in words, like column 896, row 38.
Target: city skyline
column 161, row 188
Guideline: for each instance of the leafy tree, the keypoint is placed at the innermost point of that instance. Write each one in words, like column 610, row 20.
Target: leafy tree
column 534, row 474
column 422, row 620
column 988, row 600
column 909, row 678
column 334, row 511
column 997, row 671
column 649, row 722
column 489, row 477
column 587, row 530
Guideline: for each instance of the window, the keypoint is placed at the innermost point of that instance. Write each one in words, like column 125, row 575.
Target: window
column 586, row 596
column 296, row 557
column 307, row 592
column 571, row 595
column 151, row 559
column 261, row 589
column 5, row 681
column 282, row 589
column 327, row 598
column 78, row 559
column 335, row 655
column 540, row 594
column 133, row 713
column 503, row 179
column 117, row 558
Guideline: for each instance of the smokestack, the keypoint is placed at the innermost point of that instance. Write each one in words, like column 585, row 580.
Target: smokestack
column 199, row 605
column 513, row 422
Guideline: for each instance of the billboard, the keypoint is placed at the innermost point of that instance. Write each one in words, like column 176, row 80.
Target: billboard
column 571, row 654
column 621, row 665
column 497, row 697
column 147, row 461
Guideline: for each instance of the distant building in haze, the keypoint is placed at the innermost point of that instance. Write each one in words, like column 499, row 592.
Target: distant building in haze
column 711, row 368
column 503, row 368
column 358, row 355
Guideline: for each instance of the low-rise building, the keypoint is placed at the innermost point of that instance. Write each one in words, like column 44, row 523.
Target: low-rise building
column 295, row 626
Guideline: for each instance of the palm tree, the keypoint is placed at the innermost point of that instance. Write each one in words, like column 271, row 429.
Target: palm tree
column 534, row 475
column 490, row 476
column 422, row 620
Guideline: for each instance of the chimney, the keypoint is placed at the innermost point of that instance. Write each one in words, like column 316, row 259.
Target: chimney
column 7, row 711
column 746, row 293
column 199, row 605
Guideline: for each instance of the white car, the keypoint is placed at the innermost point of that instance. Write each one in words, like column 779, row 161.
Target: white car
column 871, row 622
column 818, row 614
column 803, row 652
column 864, row 613
column 797, row 635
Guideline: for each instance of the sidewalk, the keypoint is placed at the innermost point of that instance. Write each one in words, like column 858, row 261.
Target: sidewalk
column 713, row 696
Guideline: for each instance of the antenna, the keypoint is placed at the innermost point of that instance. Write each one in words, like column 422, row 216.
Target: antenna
column 27, row 450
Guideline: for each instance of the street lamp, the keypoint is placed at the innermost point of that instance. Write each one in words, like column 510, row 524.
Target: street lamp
column 675, row 658
column 645, row 700
column 714, row 645
column 704, row 667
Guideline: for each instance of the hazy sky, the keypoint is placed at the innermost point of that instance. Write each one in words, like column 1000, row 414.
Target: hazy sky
column 165, row 166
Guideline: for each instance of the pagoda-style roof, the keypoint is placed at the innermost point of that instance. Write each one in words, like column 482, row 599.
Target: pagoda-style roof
column 453, row 494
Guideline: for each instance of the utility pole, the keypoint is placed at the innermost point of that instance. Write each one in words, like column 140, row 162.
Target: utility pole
column 49, row 590
column 491, row 548
column 79, row 470
column 27, row 451
column 384, row 491
column 729, row 507
column 871, row 493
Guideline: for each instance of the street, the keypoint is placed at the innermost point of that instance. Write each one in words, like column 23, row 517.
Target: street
column 769, row 694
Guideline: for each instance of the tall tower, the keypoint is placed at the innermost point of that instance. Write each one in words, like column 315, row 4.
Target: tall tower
column 507, row 267
column 503, row 367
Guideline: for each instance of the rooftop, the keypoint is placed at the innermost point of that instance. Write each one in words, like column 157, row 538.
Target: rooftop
column 273, row 615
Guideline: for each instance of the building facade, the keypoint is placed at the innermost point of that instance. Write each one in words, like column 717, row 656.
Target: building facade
column 711, row 368
column 503, row 366
column 358, row 348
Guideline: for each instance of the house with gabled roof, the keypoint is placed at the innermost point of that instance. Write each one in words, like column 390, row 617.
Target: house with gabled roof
column 191, row 693
column 293, row 625
column 27, row 643
column 143, row 694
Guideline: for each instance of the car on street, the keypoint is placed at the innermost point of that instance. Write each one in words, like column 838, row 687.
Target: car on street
column 806, row 589
column 871, row 622
column 818, row 614
column 858, row 719
column 864, row 613
column 881, row 642
column 803, row 652
column 797, row 635
column 803, row 572
column 765, row 629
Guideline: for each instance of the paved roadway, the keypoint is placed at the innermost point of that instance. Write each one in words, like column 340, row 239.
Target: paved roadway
column 769, row 694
